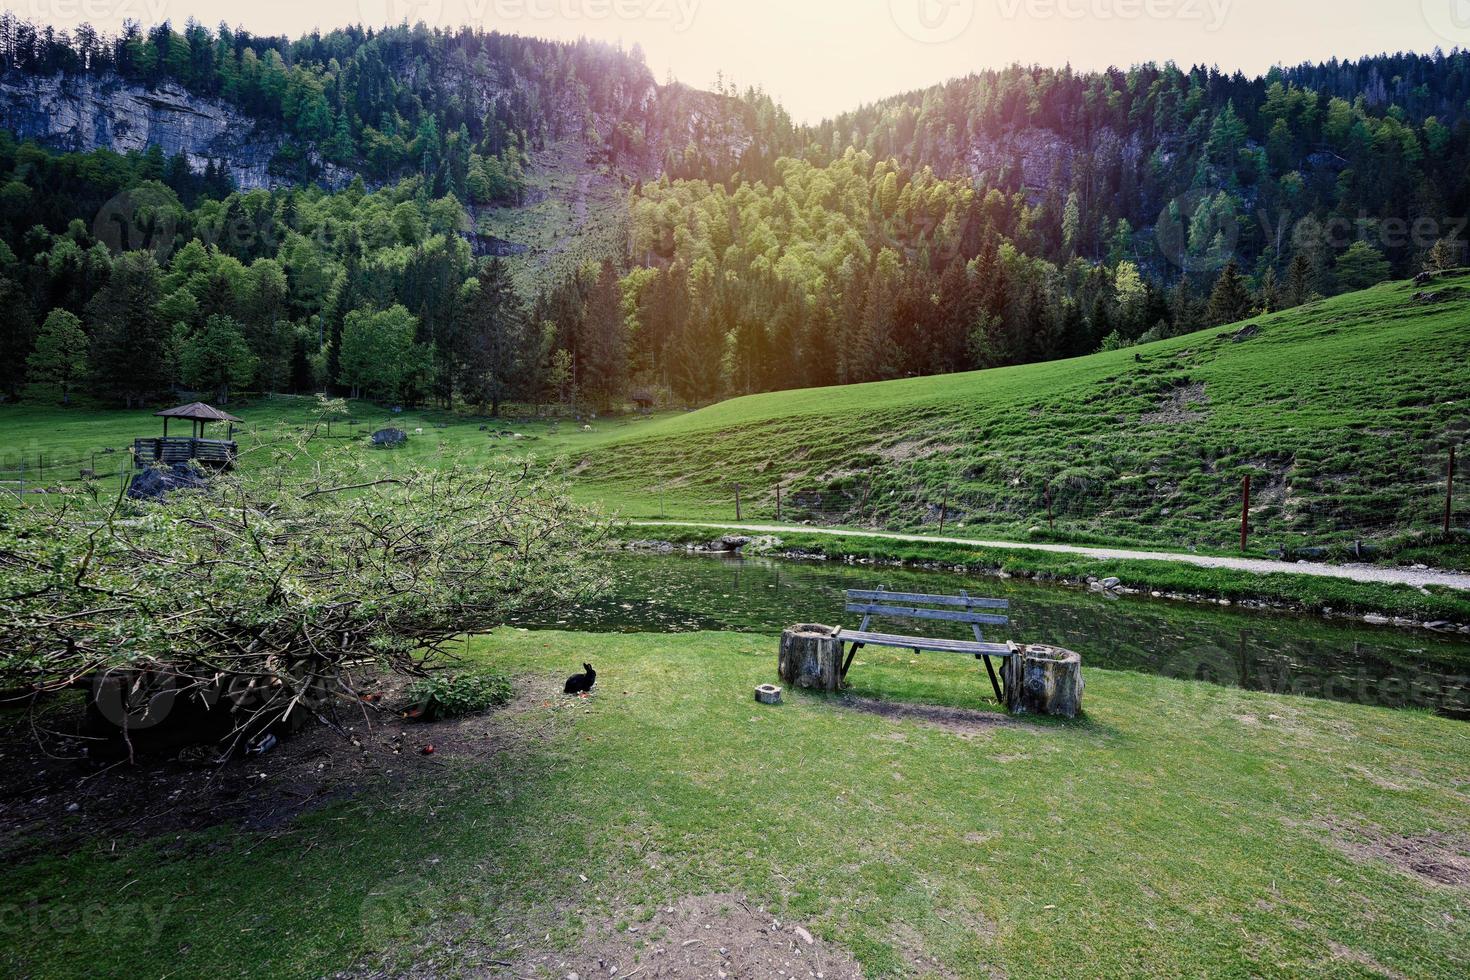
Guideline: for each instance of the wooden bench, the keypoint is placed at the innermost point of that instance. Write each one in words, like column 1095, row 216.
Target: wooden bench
column 911, row 605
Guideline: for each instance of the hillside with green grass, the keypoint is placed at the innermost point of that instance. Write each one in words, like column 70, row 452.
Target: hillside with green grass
column 1341, row 412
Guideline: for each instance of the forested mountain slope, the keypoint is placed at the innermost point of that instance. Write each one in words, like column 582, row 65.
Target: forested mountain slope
column 681, row 245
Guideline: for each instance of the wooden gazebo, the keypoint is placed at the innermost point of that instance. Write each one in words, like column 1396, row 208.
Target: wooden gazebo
column 644, row 399
column 168, row 450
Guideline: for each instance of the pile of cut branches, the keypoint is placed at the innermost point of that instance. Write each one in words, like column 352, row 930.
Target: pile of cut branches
column 263, row 585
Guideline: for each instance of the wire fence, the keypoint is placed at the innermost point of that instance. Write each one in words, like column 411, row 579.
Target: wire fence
column 38, row 472
column 1277, row 511
column 41, row 471
column 1288, row 511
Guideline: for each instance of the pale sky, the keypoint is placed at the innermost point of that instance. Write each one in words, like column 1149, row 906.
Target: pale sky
column 820, row 57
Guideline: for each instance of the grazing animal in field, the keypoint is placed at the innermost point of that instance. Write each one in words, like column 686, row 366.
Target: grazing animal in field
column 581, row 683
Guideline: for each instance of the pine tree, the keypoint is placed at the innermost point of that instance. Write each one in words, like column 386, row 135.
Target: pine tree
column 58, row 365
column 16, row 327
column 1360, row 266
column 1231, row 299
column 604, row 361
column 493, row 338
column 128, row 335
column 1300, row 282
column 1270, row 292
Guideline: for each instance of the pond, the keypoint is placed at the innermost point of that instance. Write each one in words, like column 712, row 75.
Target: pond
column 1339, row 660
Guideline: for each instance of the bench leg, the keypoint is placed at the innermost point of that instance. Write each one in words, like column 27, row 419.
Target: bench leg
column 994, row 682
column 851, row 652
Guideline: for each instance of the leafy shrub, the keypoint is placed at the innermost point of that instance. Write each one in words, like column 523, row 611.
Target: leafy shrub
column 456, row 695
column 282, row 572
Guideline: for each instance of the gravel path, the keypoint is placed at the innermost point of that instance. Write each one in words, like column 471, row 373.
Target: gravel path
column 1357, row 573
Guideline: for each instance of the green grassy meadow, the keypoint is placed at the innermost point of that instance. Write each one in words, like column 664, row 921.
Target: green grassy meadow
column 1341, row 411
column 1179, row 829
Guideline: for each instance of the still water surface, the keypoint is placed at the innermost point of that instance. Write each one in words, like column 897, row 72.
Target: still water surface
column 1343, row 661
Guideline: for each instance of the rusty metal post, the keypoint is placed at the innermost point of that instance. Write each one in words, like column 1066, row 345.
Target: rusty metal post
column 1449, row 491
column 1245, row 510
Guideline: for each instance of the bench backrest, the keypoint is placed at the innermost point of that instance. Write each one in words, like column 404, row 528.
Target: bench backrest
column 911, row 605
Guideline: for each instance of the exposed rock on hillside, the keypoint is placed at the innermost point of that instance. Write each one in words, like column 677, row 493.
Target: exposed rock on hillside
column 87, row 113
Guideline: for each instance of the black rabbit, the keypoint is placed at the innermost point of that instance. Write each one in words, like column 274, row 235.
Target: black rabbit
column 581, row 683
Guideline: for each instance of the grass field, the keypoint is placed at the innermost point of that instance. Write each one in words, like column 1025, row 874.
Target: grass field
column 1180, row 829
column 1341, row 411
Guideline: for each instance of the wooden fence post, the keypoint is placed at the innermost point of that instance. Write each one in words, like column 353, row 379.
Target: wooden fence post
column 778, row 503
column 1245, row 510
column 943, row 510
column 737, row 501
column 1449, row 491
column 1051, row 524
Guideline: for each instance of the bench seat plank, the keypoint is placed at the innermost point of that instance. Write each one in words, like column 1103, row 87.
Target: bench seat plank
column 939, row 645
column 914, row 612
column 964, row 602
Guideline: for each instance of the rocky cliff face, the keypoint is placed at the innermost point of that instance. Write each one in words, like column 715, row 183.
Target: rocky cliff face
column 88, row 113
column 83, row 112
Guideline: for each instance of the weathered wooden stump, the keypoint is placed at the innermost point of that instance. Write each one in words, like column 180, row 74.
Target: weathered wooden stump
column 1044, row 680
column 811, row 656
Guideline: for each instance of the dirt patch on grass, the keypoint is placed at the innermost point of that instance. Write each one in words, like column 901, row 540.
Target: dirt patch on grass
column 908, row 450
column 720, row 935
column 1435, row 858
column 56, row 799
column 949, row 719
column 1179, row 406
column 1349, row 955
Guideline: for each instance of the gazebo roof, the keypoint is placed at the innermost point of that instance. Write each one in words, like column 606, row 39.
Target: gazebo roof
column 199, row 412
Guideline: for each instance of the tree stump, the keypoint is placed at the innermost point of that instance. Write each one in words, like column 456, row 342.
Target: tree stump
column 1044, row 680
column 811, row 656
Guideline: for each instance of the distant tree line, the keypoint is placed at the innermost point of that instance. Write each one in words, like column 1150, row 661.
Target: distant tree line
column 374, row 294
column 903, row 239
